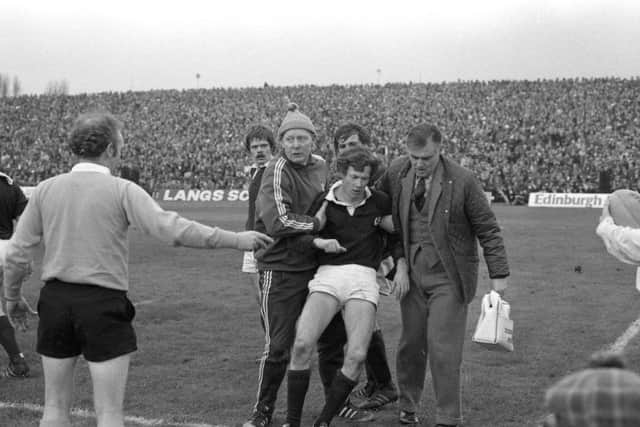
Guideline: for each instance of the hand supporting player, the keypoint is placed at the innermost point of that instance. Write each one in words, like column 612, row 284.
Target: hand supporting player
column 321, row 215
column 253, row 240
column 386, row 223
column 17, row 312
column 330, row 246
column 401, row 279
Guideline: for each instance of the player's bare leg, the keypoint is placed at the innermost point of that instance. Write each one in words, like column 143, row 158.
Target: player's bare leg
column 58, row 391
column 359, row 320
column 316, row 315
column 109, row 381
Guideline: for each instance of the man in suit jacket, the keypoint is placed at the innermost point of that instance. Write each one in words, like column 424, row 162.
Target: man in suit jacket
column 439, row 212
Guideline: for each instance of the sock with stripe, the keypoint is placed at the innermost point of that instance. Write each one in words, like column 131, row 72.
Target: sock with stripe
column 297, row 386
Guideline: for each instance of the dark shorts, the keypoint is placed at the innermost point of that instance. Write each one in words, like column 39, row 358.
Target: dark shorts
column 84, row 319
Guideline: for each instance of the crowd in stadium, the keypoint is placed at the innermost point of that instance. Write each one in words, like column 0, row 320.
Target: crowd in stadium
column 517, row 136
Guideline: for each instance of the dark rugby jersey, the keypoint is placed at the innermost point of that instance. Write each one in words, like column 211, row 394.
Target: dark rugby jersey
column 359, row 232
column 12, row 203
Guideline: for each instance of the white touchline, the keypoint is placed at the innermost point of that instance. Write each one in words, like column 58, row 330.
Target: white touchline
column 626, row 336
column 83, row 413
column 143, row 302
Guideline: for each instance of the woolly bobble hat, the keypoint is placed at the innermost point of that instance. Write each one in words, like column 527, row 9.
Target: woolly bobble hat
column 295, row 120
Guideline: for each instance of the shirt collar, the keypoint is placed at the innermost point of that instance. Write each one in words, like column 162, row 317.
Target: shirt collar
column 7, row 177
column 332, row 197
column 90, row 167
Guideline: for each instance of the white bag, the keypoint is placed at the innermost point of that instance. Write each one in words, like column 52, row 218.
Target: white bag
column 249, row 264
column 494, row 330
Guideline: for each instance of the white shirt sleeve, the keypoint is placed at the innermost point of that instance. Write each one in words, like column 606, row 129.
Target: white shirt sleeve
column 145, row 214
column 621, row 242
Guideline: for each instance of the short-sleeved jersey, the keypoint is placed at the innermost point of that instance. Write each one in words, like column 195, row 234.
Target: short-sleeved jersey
column 12, row 203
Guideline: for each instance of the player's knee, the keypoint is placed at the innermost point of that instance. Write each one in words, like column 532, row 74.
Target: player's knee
column 278, row 353
column 301, row 350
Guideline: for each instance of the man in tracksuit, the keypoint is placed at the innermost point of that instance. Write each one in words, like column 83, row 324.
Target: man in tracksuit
column 261, row 144
column 289, row 186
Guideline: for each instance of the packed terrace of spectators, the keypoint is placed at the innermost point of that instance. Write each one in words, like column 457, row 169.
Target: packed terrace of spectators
column 518, row 136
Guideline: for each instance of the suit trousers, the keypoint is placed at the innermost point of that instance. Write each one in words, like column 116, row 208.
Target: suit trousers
column 434, row 322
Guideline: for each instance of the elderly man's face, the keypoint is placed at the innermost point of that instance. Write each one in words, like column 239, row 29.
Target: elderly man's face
column 297, row 145
column 424, row 159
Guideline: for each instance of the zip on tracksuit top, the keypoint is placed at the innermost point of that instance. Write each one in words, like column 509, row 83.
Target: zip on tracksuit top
column 287, row 192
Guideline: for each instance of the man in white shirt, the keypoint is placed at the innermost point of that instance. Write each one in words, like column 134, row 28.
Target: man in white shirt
column 82, row 217
column 621, row 242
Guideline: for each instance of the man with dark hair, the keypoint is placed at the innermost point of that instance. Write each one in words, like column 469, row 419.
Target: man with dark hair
column 440, row 213
column 12, row 203
column 83, row 217
column 350, row 135
column 345, row 281
column 261, row 145
column 290, row 184
column 379, row 389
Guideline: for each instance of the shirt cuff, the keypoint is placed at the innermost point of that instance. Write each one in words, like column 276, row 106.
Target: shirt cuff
column 220, row 238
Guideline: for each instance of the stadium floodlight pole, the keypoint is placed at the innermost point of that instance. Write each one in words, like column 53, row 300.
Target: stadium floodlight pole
column 379, row 72
column 197, row 80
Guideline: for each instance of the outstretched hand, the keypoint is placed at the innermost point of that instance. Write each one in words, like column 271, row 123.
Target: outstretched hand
column 17, row 313
column 253, row 240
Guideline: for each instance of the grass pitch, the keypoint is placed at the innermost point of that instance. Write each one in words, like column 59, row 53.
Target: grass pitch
column 199, row 334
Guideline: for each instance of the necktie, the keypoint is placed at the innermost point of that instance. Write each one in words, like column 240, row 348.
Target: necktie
column 418, row 193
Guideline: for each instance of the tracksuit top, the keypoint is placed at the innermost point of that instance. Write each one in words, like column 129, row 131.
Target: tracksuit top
column 286, row 195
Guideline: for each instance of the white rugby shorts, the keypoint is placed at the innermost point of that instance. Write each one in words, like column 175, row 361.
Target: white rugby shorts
column 346, row 282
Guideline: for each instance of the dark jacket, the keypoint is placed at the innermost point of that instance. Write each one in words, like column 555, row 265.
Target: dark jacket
column 459, row 213
column 254, row 186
